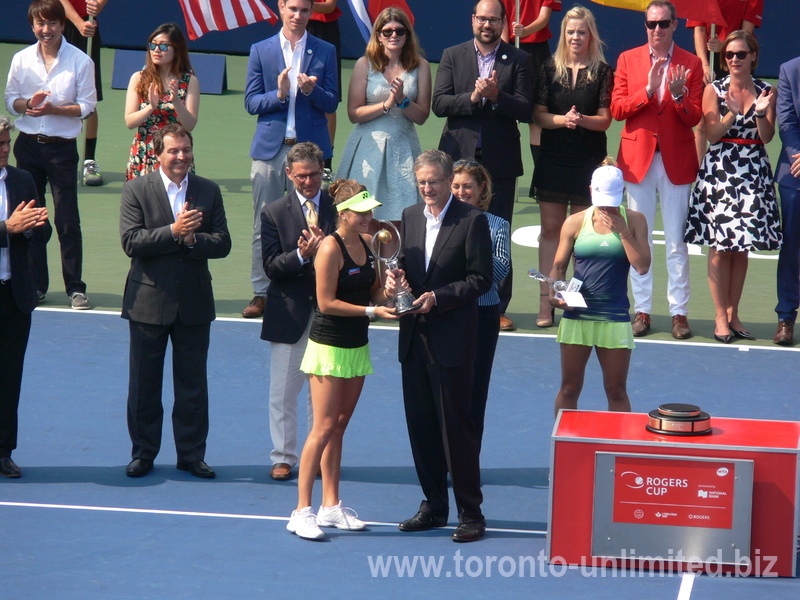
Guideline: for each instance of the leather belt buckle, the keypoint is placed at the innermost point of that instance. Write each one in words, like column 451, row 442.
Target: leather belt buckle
column 289, row 141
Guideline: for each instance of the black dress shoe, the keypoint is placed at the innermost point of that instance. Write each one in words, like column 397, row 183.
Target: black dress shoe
column 742, row 334
column 725, row 339
column 469, row 532
column 139, row 467
column 198, row 468
column 8, row 468
column 422, row 521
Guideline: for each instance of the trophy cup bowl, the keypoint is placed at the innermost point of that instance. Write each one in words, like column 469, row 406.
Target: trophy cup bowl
column 404, row 299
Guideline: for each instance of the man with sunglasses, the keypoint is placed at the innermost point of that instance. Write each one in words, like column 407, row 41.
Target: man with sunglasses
column 483, row 87
column 291, row 85
column 658, row 91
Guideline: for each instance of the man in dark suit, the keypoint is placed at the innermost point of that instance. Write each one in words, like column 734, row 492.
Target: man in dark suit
column 171, row 223
column 21, row 220
column 292, row 83
column 788, row 179
column 483, row 87
column 446, row 259
column 291, row 231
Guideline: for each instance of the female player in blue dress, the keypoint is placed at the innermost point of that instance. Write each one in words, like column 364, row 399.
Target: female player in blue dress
column 606, row 241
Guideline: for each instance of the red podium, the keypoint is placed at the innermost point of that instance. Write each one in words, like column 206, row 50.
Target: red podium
column 621, row 496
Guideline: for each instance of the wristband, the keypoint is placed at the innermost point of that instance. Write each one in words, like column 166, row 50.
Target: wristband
column 404, row 103
column 28, row 103
column 369, row 311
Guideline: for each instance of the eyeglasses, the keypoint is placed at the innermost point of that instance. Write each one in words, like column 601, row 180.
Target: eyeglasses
column 741, row 54
column 400, row 31
column 493, row 21
column 304, row 178
column 163, row 46
column 662, row 24
column 430, row 182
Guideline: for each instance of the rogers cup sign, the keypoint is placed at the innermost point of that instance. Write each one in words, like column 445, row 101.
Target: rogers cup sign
column 659, row 491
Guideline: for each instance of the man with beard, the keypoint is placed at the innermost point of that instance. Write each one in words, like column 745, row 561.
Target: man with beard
column 483, row 87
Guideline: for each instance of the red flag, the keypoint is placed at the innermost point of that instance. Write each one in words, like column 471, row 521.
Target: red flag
column 705, row 11
column 203, row 16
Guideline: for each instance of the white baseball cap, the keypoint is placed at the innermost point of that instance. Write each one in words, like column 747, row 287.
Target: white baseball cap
column 607, row 186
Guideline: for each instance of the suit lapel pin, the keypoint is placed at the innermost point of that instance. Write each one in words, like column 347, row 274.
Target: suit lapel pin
column 504, row 56
column 308, row 51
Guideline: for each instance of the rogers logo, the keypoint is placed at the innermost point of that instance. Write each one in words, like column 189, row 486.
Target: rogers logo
column 632, row 479
column 722, row 471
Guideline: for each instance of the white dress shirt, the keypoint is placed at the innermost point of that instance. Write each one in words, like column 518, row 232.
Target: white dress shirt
column 295, row 59
column 432, row 227
column 69, row 81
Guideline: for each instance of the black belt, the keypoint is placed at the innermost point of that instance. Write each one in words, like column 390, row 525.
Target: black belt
column 46, row 139
column 289, row 141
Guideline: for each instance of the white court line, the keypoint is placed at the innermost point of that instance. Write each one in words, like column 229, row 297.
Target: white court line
column 185, row 513
column 687, row 581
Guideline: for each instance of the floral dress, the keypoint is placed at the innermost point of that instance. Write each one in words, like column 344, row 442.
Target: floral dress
column 733, row 204
column 143, row 159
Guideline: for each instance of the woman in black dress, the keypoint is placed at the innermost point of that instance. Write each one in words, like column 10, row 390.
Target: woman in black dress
column 572, row 105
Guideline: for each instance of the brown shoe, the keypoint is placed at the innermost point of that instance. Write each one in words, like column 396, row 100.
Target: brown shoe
column 255, row 309
column 280, row 471
column 506, row 324
column 641, row 324
column 680, row 328
column 785, row 334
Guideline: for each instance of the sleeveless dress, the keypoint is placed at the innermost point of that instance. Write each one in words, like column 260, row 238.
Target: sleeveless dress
column 380, row 153
column 142, row 159
column 733, row 205
column 601, row 263
column 339, row 346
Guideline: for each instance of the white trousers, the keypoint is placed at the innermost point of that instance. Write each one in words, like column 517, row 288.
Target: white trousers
column 269, row 181
column 674, row 211
column 285, row 382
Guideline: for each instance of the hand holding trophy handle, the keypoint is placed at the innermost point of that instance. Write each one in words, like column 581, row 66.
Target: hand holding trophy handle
column 404, row 299
column 558, row 286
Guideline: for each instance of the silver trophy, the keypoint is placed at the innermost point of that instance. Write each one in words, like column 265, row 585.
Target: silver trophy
column 404, row 299
column 558, row 286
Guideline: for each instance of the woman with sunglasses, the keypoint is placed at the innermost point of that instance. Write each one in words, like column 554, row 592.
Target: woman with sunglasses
column 572, row 105
column 473, row 185
column 390, row 92
column 165, row 91
column 733, row 208
column 337, row 356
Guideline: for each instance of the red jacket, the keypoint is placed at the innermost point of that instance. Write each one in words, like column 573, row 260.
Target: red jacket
column 649, row 123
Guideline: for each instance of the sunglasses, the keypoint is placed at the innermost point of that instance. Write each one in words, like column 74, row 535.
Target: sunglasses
column 400, row 31
column 741, row 54
column 162, row 46
column 662, row 24
column 466, row 162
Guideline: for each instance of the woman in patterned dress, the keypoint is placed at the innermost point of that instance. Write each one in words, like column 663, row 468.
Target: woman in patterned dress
column 733, row 208
column 390, row 92
column 165, row 91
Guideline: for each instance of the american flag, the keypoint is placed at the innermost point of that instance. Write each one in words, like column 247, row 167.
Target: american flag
column 203, row 16
column 366, row 11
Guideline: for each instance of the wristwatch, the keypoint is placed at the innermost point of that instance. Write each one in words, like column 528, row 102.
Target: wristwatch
column 404, row 103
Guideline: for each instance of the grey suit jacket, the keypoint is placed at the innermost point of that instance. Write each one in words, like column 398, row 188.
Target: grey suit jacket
column 20, row 188
column 168, row 280
column 496, row 125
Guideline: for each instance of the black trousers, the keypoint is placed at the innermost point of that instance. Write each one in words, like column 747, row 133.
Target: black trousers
column 443, row 439
column 148, row 348
column 15, row 326
column 57, row 164
column 488, row 332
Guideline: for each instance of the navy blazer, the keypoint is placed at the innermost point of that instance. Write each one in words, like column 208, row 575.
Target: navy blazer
column 788, row 121
column 168, row 280
column 496, row 125
column 20, row 188
column 291, row 295
column 459, row 272
column 261, row 96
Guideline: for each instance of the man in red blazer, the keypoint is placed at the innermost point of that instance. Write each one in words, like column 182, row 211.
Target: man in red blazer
column 658, row 91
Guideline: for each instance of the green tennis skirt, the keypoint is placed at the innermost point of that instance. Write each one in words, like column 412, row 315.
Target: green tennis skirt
column 332, row 361
column 605, row 334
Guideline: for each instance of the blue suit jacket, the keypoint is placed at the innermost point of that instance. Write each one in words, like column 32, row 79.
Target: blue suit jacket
column 789, row 121
column 261, row 96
